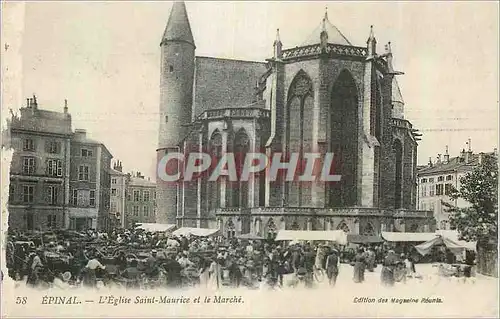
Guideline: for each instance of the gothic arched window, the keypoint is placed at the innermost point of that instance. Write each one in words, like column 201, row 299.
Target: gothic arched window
column 214, row 188
column 295, row 226
column 300, row 103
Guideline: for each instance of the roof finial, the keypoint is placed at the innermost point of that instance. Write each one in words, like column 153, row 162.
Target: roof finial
column 372, row 35
column 278, row 35
column 326, row 13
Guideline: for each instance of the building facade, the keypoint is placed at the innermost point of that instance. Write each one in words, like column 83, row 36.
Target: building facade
column 326, row 95
column 39, row 172
column 119, row 181
column 140, row 204
column 90, row 183
column 437, row 180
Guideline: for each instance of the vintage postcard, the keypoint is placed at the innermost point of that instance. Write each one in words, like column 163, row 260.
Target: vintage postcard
column 249, row 159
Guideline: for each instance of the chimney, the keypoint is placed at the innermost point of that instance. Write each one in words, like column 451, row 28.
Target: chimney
column 446, row 156
column 65, row 106
column 480, row 158
column 495, row 151
column 34, row 102
column 438, row 159
column 430, row 162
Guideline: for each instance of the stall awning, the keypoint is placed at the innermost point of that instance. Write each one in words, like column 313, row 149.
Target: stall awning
column 338, row 236
column 363, row 239
column 407, row 237
column 154, row 227
column 453, row 235
column 200, row 232
column 426, row 247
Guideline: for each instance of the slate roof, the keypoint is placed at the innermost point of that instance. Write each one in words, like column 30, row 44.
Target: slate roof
column 178, row 27
column 334, row 34
column 454, row 164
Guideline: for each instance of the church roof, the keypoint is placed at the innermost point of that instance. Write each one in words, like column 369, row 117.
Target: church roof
column 178, row 27
column 396, row 92
column 334, row 34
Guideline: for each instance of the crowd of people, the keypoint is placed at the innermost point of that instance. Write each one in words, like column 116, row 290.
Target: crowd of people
column 137, row 259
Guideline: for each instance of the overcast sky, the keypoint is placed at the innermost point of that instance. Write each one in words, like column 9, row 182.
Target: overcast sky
column 104, row 58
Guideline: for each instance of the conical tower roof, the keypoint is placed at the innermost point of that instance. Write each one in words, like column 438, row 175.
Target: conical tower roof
column 178, row 27
column 334, row 34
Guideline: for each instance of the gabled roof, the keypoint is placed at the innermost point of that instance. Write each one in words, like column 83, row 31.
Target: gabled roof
column 454, row 164
column 178, row 27
column 334, row 34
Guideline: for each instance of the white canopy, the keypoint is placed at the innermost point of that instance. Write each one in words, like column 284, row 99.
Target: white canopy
column 200, row 232
column 453, row 235
column 426, row 248
column 154, row 227
column 407, row 237
column 338, row 236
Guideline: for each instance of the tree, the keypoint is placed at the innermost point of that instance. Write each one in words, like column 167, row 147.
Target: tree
column 479, row 222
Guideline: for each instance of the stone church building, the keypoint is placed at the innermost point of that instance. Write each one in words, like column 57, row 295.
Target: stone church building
column 326, row 95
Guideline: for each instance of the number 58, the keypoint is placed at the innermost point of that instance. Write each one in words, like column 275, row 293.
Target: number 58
column 21, row 300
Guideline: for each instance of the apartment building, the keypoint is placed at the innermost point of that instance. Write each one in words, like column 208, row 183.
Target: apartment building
column 119, row 181
column 437, row 179
column 39, row 171
column 140, row 200
column 90, row 181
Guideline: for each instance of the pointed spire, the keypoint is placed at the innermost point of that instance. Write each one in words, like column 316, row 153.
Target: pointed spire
column 178, row 27
column 323, row 36
column 371, row 43
column 278, row 46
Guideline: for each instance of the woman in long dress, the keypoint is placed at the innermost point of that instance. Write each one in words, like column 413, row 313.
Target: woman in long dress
column 204, row 273
column 215, row 271
column 359, row 267
column 388, row 269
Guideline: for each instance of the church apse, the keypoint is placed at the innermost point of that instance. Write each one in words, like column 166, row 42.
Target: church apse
column 344, row 140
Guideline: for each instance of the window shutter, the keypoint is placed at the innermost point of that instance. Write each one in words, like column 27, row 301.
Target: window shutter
column 59, row 168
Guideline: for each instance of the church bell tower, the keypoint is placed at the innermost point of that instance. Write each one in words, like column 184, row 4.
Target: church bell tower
column 176, row 97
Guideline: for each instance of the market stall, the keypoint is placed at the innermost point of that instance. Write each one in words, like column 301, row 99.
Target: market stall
column 155, row 227
column 364, row 239
column 199, row 232
column 396, row 237
column 426, row 247
column 337, row 236
column 249, row 237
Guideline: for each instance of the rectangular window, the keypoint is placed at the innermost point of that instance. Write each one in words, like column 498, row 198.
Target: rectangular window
column 28, row 193
column 74, row 197
column 431, row 180
column 83, row 173
column 154, row 194
column 145, row 210
column 113, row 192
column 440, row 178
column 86, row 153
column 439, row 189
column 424, row 180
column 137, row 196
column 72, row 223
column 113, row 181
column 145, row 196
column 448, row 189
column 136, row 210
column 431, row 190
column 424, row 191
column 52, row 195
column 53, row 147
column 449, row 177
column 129, row 197
column 29, row 165
column 92, row 198
column 54, row 168
column 28, row 145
